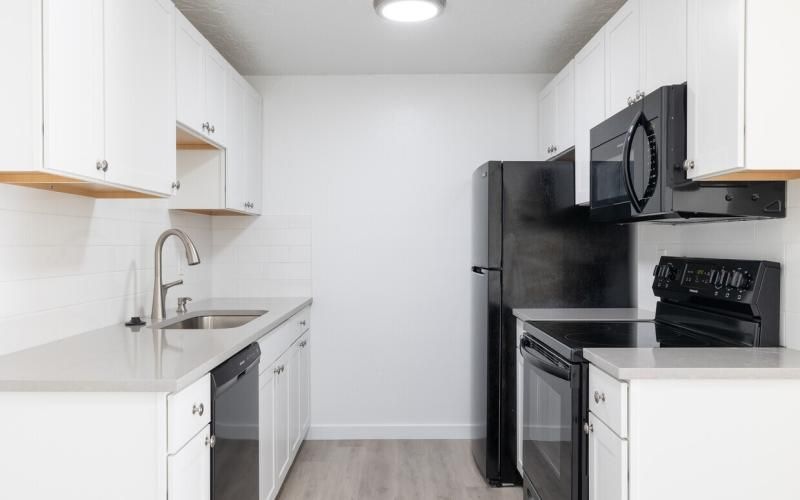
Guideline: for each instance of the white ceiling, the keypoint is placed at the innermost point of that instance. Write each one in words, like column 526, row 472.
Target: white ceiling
column 278, row 37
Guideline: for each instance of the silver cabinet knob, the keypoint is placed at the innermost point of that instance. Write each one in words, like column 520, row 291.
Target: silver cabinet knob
column 211, row 441
column 105, row 166
column 206, row 126
column 303, row 343
column 688, row 165
column 212, row 129
column 198, row 409
column 599, row 396
column 176, row 185
column 99, row 165
column 303, row 323
column 283, row 367
column 587, row 428
column 277, row 370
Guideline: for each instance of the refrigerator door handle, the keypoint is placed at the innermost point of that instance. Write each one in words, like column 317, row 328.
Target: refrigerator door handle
column 483, row 270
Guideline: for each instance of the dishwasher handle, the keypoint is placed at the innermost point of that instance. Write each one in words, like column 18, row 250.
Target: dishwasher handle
column 228, row 373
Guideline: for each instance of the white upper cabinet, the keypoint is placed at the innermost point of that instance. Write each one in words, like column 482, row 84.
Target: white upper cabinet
column 590, row 108
column 565, row 108
column 645, row 49
column 139, row 106
column 623, row 57
column 215, row 80
column 253, row 156
column 547, row 121
column 189, row 74
column 663, row 43
column 235, row 169
column 742, row 91
column 219, row 155
column 201, row 75
column 73, row 87
column 557, row 114
column 103, row 73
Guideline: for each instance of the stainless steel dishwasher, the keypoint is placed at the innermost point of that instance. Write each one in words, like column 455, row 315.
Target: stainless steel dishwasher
column 234, row 425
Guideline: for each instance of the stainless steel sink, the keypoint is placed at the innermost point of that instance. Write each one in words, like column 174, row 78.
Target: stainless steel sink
column 215, row 321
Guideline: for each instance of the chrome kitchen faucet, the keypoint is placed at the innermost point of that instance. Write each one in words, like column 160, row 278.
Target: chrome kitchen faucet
column 160, row 288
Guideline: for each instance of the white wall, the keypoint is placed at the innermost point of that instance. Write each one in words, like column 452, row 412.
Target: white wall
column 381, row 168
column 777, row 240
column 70, row 264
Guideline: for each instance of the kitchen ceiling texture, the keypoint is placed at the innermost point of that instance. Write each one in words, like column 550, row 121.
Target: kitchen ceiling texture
column 281, row 37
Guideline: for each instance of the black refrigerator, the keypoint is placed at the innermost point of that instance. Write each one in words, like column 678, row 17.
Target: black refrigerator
column 532, row 247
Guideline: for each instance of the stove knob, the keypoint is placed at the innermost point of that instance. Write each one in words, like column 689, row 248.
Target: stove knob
column 740, row 280
column 722, row 279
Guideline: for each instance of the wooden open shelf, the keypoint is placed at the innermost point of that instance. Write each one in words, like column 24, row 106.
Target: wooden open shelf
column 61, row 184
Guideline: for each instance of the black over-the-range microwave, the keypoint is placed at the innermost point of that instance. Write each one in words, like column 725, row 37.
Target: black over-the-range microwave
column 637, row 170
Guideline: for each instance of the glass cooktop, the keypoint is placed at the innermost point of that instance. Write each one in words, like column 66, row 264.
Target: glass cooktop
column 568, row 338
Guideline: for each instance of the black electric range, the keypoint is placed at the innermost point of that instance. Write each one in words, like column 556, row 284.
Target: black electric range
column 702, row 303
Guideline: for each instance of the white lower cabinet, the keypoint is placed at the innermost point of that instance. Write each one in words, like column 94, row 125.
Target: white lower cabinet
column 283, row 409
column 266, row 411
column 189, row 470
column 608, row 462
column 692, row 438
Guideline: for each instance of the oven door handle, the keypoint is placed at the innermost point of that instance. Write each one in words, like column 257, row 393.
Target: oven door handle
column 652, row 182
column 541, row 362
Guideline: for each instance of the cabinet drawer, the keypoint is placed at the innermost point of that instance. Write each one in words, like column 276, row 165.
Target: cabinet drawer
column 608, row 400
column 188, row 412
column 276, row 342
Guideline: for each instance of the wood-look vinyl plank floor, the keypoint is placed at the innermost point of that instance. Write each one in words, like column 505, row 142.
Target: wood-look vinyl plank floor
column 388, row 470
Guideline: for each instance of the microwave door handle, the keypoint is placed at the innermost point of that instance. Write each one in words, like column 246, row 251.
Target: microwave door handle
column 543, row 363
column 626, row 161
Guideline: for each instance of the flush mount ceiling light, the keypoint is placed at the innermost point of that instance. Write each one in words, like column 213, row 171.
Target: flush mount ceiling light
column 409, row 11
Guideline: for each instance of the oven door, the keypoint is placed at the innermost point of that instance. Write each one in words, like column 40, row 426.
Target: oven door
column 552, row 419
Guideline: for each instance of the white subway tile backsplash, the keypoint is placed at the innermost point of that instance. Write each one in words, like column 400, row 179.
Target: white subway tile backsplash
column 268, row 256
column 70, row 264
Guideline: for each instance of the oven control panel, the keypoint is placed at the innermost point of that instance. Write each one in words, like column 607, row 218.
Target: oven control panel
column 715, row 279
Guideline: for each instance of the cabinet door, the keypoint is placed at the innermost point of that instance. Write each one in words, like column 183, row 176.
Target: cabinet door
column 715, row 77
column 590, row 108
column 73, row 86
column 293, row 377
column 608, row 463
column 266, row 430
column 304, row 393
column 565, row 108
column 189, row 470
column 189, row 76
column 214, row 81
column 663, row 43
column 140, row 93
column 623, row 57
column 253, row 158
column 547, row 121
column 235, row 171
column 281, row 417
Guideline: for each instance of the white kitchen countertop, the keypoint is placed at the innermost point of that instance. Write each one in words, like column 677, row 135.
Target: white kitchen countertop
column 584, row 314
column 696, row 362
column 117, row 359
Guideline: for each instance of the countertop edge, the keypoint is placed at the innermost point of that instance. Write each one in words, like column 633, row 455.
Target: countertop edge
column 154, row 386
column 628, row 374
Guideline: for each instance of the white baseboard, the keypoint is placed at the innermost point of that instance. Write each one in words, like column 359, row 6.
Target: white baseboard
column 380, row 431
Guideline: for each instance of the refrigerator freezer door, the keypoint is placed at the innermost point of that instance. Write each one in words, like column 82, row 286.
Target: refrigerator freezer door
column 487, row 213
